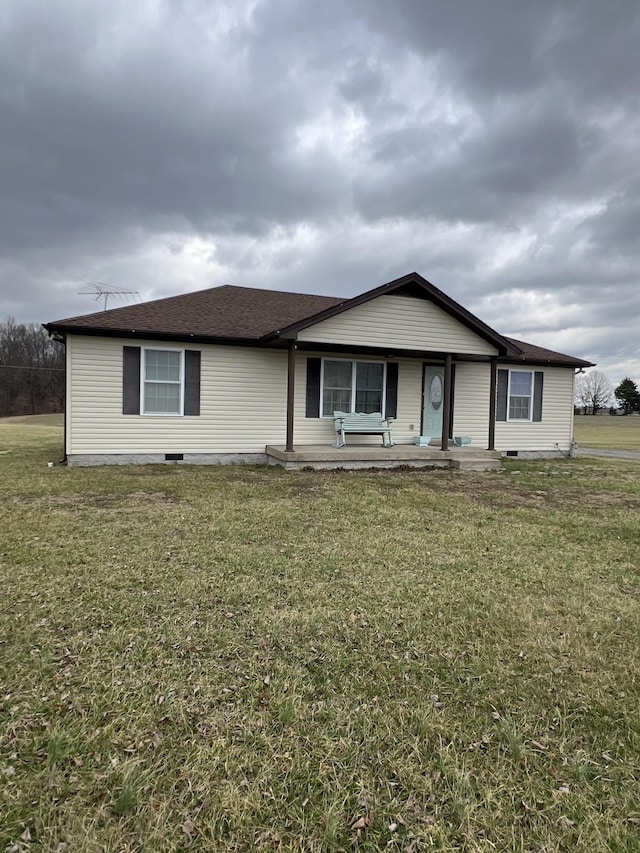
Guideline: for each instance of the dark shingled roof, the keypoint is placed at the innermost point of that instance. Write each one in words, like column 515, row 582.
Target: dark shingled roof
column 234, row 313
column 540, row 355
column 249, row 314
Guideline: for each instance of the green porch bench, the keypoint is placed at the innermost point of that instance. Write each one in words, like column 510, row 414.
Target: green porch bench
column 362, row 424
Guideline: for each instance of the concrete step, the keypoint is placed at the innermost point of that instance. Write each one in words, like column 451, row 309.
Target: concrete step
column 470, row 463
column 371, row 456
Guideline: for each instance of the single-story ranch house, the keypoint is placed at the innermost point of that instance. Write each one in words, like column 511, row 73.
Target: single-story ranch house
column 236, row 374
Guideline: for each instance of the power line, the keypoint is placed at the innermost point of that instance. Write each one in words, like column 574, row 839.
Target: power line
column 27, row 367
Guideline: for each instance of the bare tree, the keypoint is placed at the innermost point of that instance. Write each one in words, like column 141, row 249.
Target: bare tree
column 593, row 392
column 31, row 370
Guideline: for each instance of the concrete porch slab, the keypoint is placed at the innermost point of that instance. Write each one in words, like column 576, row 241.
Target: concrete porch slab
column 371, row 456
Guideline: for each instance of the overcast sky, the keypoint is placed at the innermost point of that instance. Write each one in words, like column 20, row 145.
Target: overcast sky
column 163, row 146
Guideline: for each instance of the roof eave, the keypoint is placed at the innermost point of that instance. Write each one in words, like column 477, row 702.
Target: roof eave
column 182, row 337
column 549, row 362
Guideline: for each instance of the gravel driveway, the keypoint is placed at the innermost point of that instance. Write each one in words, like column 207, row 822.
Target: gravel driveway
column 620, row 454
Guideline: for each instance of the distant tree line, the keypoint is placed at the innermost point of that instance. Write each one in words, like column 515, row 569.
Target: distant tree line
column 594, row 393
column 31, row 370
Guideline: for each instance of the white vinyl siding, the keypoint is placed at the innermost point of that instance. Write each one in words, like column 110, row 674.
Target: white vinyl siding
column 557, row 416
column 471, row 402
column 243, row 395
column 243, row 405
column 400, row 322
column 471, row 410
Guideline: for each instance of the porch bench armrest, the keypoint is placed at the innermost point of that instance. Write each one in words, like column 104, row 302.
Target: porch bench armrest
column 360, row 423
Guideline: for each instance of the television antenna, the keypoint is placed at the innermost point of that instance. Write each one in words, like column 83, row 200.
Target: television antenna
column 100, row 290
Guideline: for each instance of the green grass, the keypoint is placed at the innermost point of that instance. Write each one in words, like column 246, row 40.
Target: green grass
column 608, row 432
column 249, row 659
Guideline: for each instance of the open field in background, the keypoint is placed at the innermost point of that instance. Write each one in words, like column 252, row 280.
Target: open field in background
column 607, row 431
column 54, row 420
column 248, row 659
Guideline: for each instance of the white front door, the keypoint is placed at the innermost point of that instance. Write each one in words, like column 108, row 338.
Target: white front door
column 433, row 401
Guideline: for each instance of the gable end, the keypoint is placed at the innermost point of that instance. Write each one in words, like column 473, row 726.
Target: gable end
column 413, row 285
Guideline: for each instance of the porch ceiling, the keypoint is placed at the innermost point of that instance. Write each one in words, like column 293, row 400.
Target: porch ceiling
column 378, row 352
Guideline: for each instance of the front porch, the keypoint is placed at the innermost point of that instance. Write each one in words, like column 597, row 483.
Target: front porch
column 424, row 405
column 352, row 457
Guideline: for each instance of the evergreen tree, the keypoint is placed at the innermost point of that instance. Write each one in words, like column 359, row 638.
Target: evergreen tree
column 628, row 396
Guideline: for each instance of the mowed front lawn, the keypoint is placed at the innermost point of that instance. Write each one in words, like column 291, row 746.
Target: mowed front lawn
column 248, row 659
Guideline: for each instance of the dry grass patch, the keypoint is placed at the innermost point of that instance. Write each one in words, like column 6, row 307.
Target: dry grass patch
column 249, row 659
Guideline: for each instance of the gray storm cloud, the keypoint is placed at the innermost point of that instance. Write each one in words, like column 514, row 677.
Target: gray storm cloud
column 168, row 146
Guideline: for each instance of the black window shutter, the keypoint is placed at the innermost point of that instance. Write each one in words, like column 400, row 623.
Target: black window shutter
column 503, row 385
column 391, row 393
column 192, row 382
column 537, row 395
column 130, row 380
column 313, row 387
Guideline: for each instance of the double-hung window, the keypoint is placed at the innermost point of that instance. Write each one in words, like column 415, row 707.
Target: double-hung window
column 352, row 386
column 520, row 395
column 162, row 381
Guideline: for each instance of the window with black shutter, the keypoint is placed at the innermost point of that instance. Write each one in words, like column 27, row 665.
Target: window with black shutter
column 519, row 396
column 160, row 381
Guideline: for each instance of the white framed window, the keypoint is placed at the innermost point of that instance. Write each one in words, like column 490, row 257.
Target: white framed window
column 162, row 381
column 352, row 386
column 520, row 395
